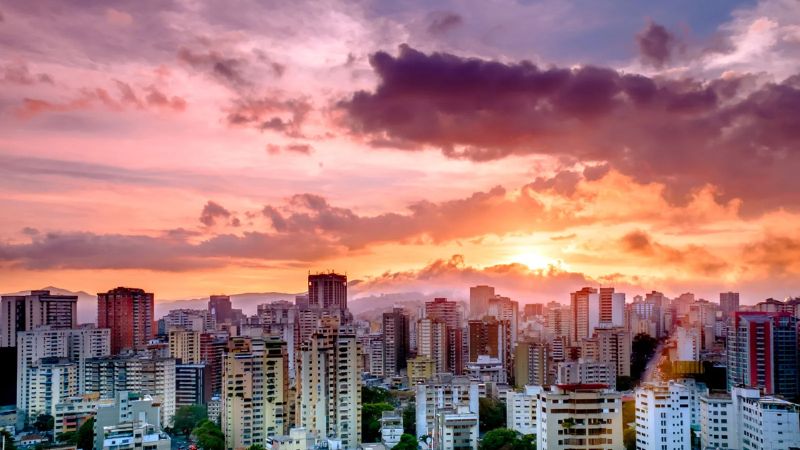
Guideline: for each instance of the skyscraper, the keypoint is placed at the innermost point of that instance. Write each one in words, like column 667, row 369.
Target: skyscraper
column 26, row 312
column 395, row 341
column 327, row 290
column 728, row 302
column 329, row 384
column 128, row 313
column 184, row 346
column 220, row 308
column 255, row 397
column 491, row 337
column 762, row 352
column 503, row 308
column 579, row 309
column 449, row 313
column 479, row 300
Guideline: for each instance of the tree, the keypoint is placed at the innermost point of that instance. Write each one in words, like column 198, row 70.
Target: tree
column 498, row 439
column 70, row 437
column 629, row 438
column 642, row 349
column 85, row 438
column 491, row 413
column 407, row 442
column 9, row 440
column 187, row 417
column 375, row 395
column 209, row 436
column 505, row 439
column 44, row 423
column 410, row 419
column 371, row 420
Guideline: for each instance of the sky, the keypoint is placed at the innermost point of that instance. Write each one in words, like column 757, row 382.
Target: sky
column 191, row 147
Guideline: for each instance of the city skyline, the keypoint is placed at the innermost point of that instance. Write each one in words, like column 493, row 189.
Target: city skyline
column 190, row 149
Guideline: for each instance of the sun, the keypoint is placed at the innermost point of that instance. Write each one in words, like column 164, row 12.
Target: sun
column 533, row 259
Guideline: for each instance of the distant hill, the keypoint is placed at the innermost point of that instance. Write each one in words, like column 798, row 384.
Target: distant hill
column 247, row 302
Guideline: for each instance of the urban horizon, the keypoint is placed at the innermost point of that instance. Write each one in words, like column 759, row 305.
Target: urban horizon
column 400, row 225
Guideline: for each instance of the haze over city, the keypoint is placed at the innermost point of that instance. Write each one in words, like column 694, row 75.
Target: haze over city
column 194, row 148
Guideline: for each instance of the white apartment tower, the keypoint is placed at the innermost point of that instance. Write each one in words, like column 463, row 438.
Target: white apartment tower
column 663, row 417
column 329, row 384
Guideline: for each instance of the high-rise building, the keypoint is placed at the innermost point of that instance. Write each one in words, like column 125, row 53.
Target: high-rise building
column 587, row 372
column 449, row 313
column 614, row 347
column 151, row 376
column 533, row 310
column 503, row 308
column 128, row 313
column 432, row 342
column 579, row 416
column 220, row 308
column 48, row 382
column 491, row 337
column 762, row 352
column 717, row 421
column 591, row 309
column 531, row 364
column 558, row 321
column 199, row 320
column 395, row 341
column 184, row 346
column 580, row 311
column 327, row 290
column 663, row 416
column 192, row 384
column 255, row 396
column 75, row 345
column 479, row 300
column 212, row 348
column 444, row 392
column 729, row 302
column 445, row 310
column 329, row 384
column 27, row 312
column 421, row 369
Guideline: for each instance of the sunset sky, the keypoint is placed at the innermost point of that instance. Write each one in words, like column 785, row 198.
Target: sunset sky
column 191, row 147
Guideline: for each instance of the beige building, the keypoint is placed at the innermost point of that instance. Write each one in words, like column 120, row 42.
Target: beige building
column 579, row 417
column 420, row 369
column 614, row 347
column 432, row 342
column 184, row 345
column 255, row 392
column 328, row 401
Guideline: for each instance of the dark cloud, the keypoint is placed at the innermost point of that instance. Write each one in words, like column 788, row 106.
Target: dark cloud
column 213, row 211
column 693, row 257
column 656, row 44
column 17, row 72
column 170, row 252
column 228, row 70
column 285, row 116
column 444, row 21
column 682, row 133
column 304, row 149
column 778, row 254
column 88, row 98
column 563, row 183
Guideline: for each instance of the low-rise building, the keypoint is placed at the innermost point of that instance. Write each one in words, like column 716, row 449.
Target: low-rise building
column 132, row 423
